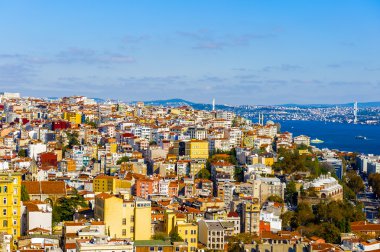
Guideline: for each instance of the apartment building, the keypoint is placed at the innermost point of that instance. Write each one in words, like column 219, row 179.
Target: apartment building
column 124, row 218
column 10, row 200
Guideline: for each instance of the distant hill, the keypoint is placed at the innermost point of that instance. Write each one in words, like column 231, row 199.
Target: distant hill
column 360, row 104
column 177, row 102
column 98, row 100
column 170, row 102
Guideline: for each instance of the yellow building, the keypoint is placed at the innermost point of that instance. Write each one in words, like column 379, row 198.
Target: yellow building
column 10, row 200
column 68, row 165
column 268, row 161
column 73, row 117
column 124, row 219
column 113, row 147
column 251, row 217
column 187, row 231
column 303, row 152
column 196, row 167
column 110, row 184
column 197, row 149
column 175, row 111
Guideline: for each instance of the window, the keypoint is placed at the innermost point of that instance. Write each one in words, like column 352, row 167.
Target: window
column 15, row 201
column 185, row 232
column 5, row 201
column 132, row 218
column 5, row 189
column 4, row 211
column 14, row 232
column 124, row 232
column 5, row 223
column 124, row 221
column 151, row 248
column 14, row 222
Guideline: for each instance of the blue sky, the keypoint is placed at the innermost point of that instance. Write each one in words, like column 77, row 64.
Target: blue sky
column 238, row 51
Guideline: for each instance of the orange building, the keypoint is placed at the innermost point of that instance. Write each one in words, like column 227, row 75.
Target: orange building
column 144, row 187
column 264, row 226
column 67, row 165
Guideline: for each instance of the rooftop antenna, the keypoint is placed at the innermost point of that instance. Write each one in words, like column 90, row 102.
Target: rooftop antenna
column 355, row 112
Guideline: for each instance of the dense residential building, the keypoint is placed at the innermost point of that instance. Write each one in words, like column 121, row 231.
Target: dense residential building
column 110, row 184
column 250, row 217
column 110, row 176
column 302, row 139
column 10, row 202
column 124, row 218
column 211, row 234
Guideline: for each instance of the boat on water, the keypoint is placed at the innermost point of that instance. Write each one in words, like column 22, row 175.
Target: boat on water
column 317, row 141
column 361, row 137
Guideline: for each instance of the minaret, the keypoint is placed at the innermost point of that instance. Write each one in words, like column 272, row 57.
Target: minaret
column 213, row 104
column 261, row 118
column 355, row 112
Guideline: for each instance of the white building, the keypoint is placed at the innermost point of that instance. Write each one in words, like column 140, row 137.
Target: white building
column 211, row 234
column 271, row 212
column 373, row 167
column 263, row 187
column 36, row 215
column 35, row 149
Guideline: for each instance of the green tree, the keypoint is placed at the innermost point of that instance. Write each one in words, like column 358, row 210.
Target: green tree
column 239, row 174
column 326, row 168
column 291, row 193
column 235, row 241
column 275, row 198
column 355, row 182
column 72, row 139
column 22, row 153
column 287, row 219
column 329, row 232
column 174, row 237
column 64, row 209
column 289, row 161
column 122, row 160
column 374, row 182
column 304, row 214
column 348, row 194
column 91, row 123
column 204, row 173
column 24, row 194
column 160, row 236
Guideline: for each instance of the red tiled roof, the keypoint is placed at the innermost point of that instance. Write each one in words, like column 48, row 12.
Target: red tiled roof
column 233, row 214
column 45, row 187
column 104, row 195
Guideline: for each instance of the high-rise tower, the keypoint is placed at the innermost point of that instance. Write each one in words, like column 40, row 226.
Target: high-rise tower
column 213, row 104
column 355, row 112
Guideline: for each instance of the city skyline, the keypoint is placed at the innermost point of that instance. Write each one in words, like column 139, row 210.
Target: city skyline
column 236, row 52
